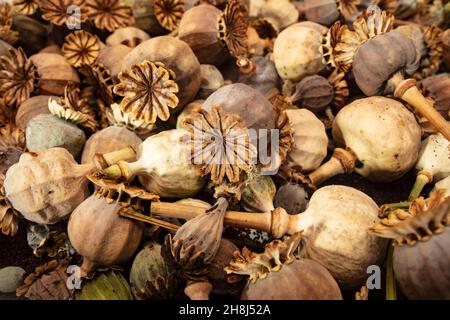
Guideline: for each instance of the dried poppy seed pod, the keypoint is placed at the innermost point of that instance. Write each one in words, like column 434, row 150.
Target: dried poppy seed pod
column 301, row 279
column 438, row 88
column 51, row 195
column 168, row 172
column 445, row 37
column 107, row 140
column 32, row 33
column 31, row 108
column 309, row 141
column 382, row 133
column 177, row 56
column 292, row 197
column 321, row 11
column 198, row 28
column 112, row 56
column 150, row 277
column 212, row 80
column 12, row 145
column 112, row 239
column 128, row 36
column 187, row 111
column 48, row 131
column 296, row 51
column 280, row 13
column 55, row 73
column 414, row 33
column 105, row 286
column 313, row 92
column 264, row 77
column 413, row 247
column 258, row 195
column 4, row 48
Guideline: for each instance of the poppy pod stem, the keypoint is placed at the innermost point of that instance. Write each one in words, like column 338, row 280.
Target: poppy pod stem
column 391, row 289
column 87, row 267
column 407, row 91
column 103, row 161
column 342, row 161
column 246, row 66
column 423, row 178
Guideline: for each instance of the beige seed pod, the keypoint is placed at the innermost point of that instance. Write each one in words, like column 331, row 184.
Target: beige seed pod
column 129, row 36
column 112, row 56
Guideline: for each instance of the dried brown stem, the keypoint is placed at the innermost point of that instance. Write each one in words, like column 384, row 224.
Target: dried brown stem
column 342, row 161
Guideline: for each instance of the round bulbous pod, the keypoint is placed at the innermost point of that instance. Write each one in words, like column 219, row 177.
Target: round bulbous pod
column 258, row 195
column 55, row 73
column 296, row 51
column 149, row 271
column 177, row 56
column 414, row 33
column 443, row 184
column 198, row 28
column 46, row 186
column 321, row 11
column 212, row 80
column 52, row 48
column 310, row 140
column 129, row 36
column 434, row 156
column 335, row 228
column 4, row 48
column 280, row 13
column 217, row 276
column 48, row 131
column 243, row 100
column 314, row 93
column 285, row 277
column 32, row 33
column 109, row 139
column 105, row 286
column 382, row 133
column 100, row 235
column 265, row 76
column 112, row 56
column 30, row 108
column 370, row 68
column 438, row 88
column 291, row 197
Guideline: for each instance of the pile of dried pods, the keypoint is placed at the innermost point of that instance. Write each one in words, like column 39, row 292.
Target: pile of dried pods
column 183, row 149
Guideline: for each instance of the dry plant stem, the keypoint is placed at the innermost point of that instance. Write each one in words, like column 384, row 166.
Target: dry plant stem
column 198, row 290
column 391, row 289
column 342, row 161
column 246, row 66
column 408, row 92
column 103, row 161
column 131, row 214
column 87, row 267
column 423, row 178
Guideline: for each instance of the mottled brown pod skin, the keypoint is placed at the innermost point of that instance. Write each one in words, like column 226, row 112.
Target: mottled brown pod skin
column 217, row 276
column 198, row 28
column 446, row 45
column 31, row 108
column 265, row 76
column 100, row 235
column 438, row 88
column 112, row 56
column 301, row 280
column 55, row 73
column 32, row 34
column 321, row 11
column 422, row 270
column 177, row 56
column 109, row 139
column 381, row 57
column 129, row 36
column 314, row 93
column 4, row 48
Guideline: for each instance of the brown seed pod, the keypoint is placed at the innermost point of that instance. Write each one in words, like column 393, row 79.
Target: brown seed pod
column 258, row 194
column 321, row 11
column 81, row 47
column 175, row 55
column 12, row 145
column 111, row 58
column 30, row 108
column 97, row 83
column 4, row 48
column 313, row 92
column 169, row 13
column 446, row 46
column 292, row 197
column 280, row 13
column 107, row 140
column 198, row 28
column 144, row 16
column 48, row 282
column 264, row 77
column 55, row 73
column 46, row 186
column 438, row 88
column 420, row 236
column 277, row 274
column 32, row 34
column 112, row 238
column 9, row 218
column 128, row 36
column 109, row 15
column 212, row 80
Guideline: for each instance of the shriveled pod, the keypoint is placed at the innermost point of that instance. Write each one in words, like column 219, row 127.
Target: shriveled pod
column 277, row 274
column 321, row 11
column 168, row 172
column 280, row 13
column 438, row 88
column 110, row 285
column 212, row 80
column 55, row 73
column 258, row 195
column 433, row 163
column 129, row 36
column 378, row 132
column 110, row 139
column 420, row 238
column 296, row 51
column 313, row 92
column 32, row 34
column 292, row 197
column 445, row 37
column 112, row 56
column 175, row 55
column 150, row 277
column 48, row 131
column 46, row 186
column 101, row 235
column 309, row 141
column 199, row 29
column 263, row 77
